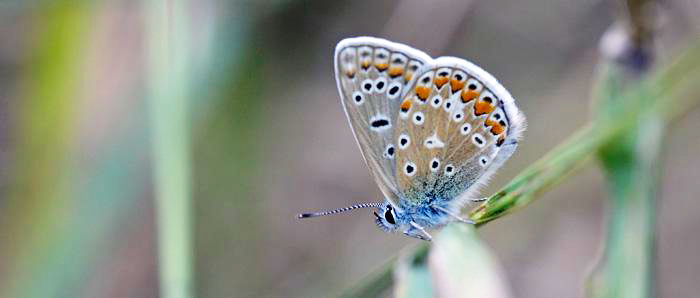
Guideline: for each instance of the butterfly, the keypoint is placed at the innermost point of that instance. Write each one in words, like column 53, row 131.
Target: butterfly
column 431, row 131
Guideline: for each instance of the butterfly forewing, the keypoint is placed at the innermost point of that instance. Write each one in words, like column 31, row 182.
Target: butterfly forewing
column 373, row 75
column 459, row 124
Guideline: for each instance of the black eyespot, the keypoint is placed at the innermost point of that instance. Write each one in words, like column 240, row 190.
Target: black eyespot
column 389, row 216
column 449, row 169
column 358, row 98
column 436, row 101
column 483, row 161
column 380, row 85
column 418, row 118
column 409, row 169
column 448, row 105
column 381, row 56
column 403, row 141
column 502, row 123
column 390, row 151
column 465, row 128
column 426, row 80
column 368, row 86
column 458, row 116
column 499, row 142
column 364, row 54
column 458, row 77
column 497, row 116
column 443, row 74
column 393, row 90
column 435, row 164
column 472, row 87
column 488, row 99
column 398, row 61
column 379, row 123
column 414, row 67
column 478, row 140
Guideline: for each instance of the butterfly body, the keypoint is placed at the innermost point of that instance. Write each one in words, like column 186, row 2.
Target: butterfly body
column 430, row 130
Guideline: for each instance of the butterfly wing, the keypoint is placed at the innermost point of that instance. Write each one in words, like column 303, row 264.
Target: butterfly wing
column 373, row 75
column 456, row 126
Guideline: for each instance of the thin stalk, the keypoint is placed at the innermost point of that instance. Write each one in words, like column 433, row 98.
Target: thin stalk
column 167, row 49
column 631, row 163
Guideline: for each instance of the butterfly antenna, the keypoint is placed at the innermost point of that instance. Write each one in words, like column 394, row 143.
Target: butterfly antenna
column 339, row 210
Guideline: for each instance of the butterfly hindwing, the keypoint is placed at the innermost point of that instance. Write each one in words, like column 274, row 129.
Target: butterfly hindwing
column 373, row 75
column 456, row 126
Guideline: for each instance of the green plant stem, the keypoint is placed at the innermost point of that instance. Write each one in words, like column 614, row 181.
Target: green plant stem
column 671, row 92
column 168, row 44
column 631, row 164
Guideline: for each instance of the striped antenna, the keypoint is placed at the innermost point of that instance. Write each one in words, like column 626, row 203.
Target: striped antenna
column 339, row 210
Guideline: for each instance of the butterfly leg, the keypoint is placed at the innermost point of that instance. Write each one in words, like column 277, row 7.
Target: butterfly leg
column 418, row 232
column 455, row 216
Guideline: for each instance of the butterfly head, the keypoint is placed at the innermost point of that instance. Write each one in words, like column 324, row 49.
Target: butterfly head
column 388, row 218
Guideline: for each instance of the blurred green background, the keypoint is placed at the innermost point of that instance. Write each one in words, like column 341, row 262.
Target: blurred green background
column 212, row 123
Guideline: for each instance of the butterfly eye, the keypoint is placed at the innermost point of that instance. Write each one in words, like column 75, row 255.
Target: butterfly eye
column 389, row 215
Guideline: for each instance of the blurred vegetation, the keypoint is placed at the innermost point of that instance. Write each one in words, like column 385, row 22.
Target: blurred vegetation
column 162, row 149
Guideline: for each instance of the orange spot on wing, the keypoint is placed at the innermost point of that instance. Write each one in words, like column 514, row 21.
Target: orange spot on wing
column 496, row 128
column 468, row 95
column 350, row 73
column 395, row 71
column 482, row 107
column 422, row 92
column 381, row 66
column 456, row 85
column 365, row 65
column 440, row 81
column 500, row 140
column 405, row 105
column 408, row 76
